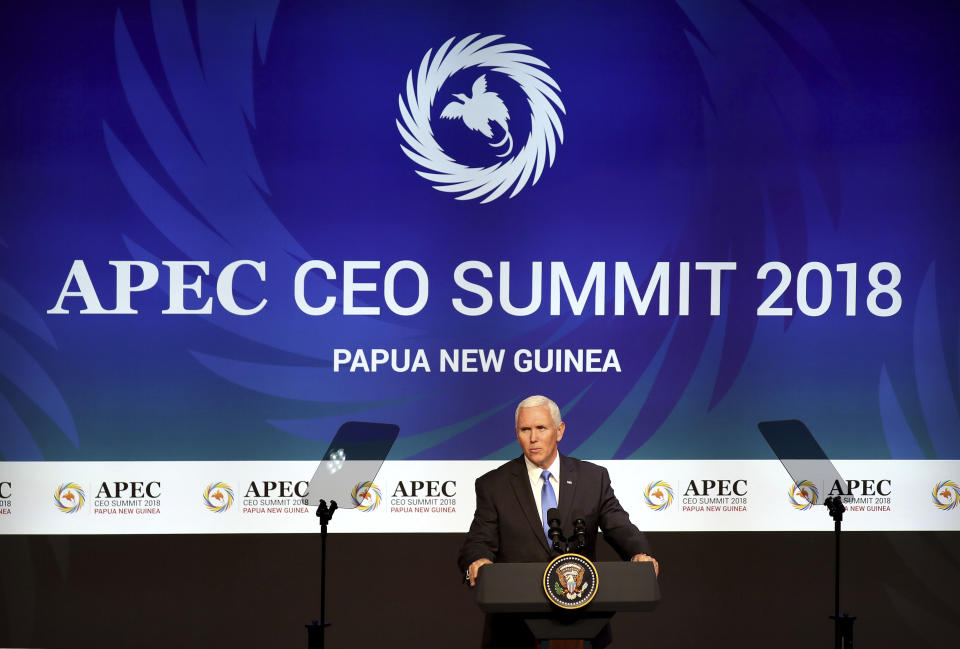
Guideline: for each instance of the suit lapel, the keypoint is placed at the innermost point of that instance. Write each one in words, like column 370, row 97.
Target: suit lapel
column 568, row 490
column 520, row 482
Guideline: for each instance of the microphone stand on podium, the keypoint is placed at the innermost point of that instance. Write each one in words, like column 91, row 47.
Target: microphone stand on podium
column 352, row 462
column 525, row 589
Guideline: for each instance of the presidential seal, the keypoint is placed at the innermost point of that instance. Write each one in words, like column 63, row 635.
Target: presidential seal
column 570, row 581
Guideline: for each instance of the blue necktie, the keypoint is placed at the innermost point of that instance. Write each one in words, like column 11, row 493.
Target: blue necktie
column 548, row 500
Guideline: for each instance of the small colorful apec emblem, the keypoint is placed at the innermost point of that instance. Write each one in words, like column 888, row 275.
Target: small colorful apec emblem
column 946, row 495
column 366, row 496
column 218, row 497
column 803, row 495
column 659, row 495
column 570, row 581
column 69, row 497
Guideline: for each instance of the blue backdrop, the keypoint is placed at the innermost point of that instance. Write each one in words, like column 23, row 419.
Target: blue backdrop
column 746, row 132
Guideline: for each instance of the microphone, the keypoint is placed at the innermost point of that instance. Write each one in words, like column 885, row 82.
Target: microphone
column 555, row 533
column 579, row 531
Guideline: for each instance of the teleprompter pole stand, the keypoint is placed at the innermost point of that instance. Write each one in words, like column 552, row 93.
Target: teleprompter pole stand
column 842, row 623
column 315, row 630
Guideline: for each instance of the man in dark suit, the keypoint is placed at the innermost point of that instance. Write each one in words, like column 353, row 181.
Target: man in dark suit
column 512, row 502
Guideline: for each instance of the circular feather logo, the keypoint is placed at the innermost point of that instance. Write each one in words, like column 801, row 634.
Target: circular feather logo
column 517, row 159
column 69, row 497
column 218, row 497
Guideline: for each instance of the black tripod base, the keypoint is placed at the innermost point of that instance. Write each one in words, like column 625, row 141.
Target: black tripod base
column 843, row 631
column 315, row 634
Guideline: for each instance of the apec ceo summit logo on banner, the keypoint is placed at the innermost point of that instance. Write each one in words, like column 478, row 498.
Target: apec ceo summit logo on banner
column 474, row 103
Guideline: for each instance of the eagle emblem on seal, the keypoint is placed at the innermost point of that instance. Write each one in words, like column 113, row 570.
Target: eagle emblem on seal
column 570, row 577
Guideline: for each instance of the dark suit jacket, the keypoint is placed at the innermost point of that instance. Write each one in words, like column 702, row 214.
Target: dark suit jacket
column 507, row 529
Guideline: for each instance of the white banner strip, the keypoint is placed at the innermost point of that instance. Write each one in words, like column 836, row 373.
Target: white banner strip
column 434, row 496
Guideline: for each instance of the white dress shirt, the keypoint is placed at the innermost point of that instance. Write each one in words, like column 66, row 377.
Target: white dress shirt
column 536, row 483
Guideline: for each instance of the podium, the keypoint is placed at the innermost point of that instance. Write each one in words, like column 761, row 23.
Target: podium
column 517, row 588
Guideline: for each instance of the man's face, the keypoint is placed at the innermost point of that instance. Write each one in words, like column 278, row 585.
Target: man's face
column 538, row 436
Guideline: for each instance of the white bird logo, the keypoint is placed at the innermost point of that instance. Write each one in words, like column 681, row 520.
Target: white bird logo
column 479, row 110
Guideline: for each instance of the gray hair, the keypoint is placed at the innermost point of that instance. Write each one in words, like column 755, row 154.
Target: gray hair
column 538, row 400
